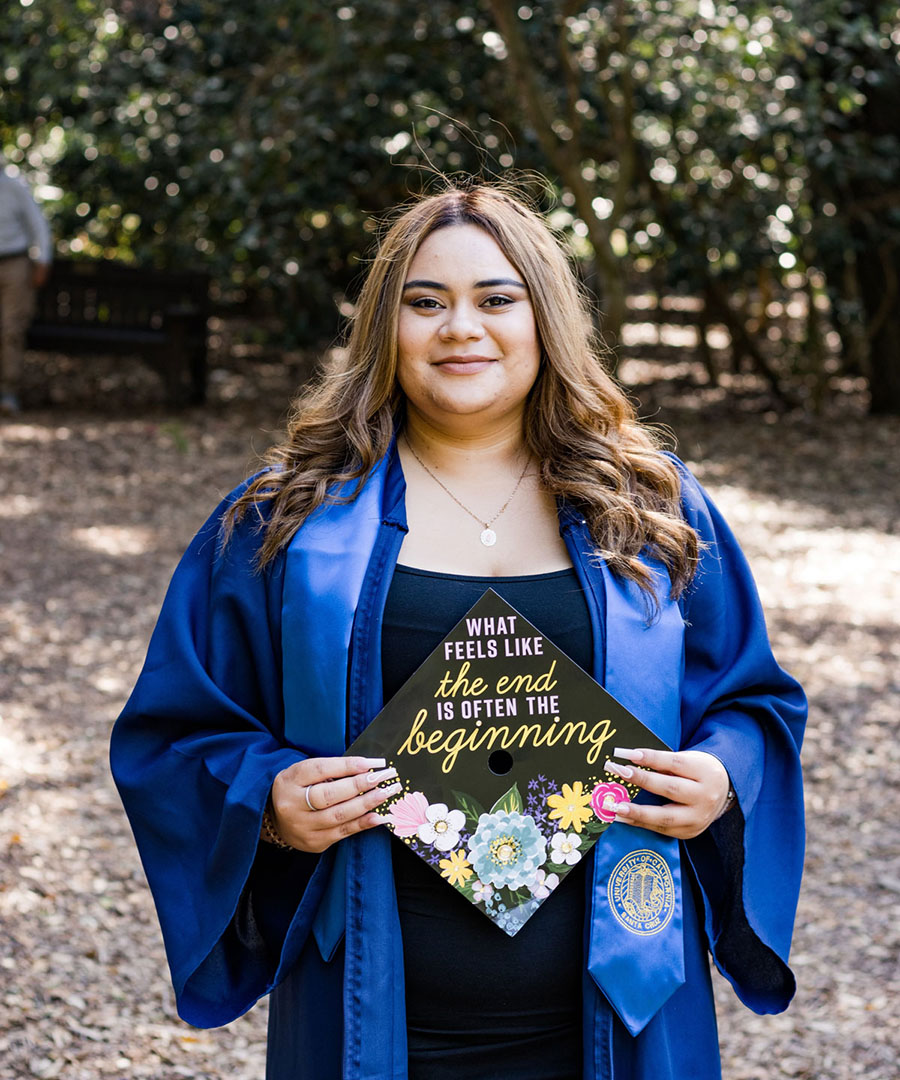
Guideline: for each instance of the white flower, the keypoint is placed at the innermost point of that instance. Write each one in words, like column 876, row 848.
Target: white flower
column 543, row 884
column 441, row 830
column 564, row 849
column 482, row 891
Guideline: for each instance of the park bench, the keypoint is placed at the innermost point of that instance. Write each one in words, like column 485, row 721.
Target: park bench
column 111, row 308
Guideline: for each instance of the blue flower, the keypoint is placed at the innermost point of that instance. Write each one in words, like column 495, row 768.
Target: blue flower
column 507, row 849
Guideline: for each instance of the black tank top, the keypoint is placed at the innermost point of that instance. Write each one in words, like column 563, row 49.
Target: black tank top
column 480, row 1004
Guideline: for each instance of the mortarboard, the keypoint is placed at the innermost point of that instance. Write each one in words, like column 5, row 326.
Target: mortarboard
column 499, row 741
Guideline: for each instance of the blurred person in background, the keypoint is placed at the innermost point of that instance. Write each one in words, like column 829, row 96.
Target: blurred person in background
column 26, row 252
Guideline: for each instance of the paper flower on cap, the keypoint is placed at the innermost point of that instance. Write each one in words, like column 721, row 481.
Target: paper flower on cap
column 507, row 849
column 408, row 813
column 441, row 826
column 570, row 807
column 605, row 796
column 543, row 884
column 456, row 868
column 564, row 849
column 482, row 891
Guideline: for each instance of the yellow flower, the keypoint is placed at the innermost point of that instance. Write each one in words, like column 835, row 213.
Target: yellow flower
column 456, row 868
column 572, row 807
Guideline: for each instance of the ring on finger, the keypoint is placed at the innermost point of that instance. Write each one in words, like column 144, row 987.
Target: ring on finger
column 308, row 800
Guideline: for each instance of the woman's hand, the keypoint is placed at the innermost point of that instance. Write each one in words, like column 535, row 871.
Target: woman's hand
column 321, row 800
column 695, row 783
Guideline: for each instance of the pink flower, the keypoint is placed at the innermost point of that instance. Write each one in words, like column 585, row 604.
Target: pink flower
column 408, row 813
column 605, row 796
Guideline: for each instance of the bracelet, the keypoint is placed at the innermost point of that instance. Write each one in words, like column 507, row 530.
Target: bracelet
column 730, row 799
column 269, row 833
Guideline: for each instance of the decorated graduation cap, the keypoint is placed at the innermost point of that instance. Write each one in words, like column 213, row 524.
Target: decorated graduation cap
column 499, row 741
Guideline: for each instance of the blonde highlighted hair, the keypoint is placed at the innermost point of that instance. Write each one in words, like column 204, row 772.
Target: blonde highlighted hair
column 581, row 428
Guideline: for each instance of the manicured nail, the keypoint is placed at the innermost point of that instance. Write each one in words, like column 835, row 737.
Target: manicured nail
column 375, row 762
column 629, row 755
column 619, row 770
column 380, row 777
column 380, row 819
column 622, row 809
column 389, row 791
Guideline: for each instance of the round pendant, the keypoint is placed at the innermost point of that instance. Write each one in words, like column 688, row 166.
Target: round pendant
column 488, row 537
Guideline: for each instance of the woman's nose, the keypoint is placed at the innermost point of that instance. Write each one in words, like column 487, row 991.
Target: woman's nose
column 461, row 323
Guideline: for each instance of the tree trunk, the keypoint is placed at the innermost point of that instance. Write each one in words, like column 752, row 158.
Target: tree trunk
column 565, row 156
column 742, row 344
column 879, row 272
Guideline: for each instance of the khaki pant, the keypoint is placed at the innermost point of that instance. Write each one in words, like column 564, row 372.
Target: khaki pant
column 17, row 300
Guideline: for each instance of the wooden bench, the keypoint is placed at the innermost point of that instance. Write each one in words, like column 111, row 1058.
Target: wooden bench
column 113, row 308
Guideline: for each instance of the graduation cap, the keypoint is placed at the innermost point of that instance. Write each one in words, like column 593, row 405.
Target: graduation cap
column 499, row 741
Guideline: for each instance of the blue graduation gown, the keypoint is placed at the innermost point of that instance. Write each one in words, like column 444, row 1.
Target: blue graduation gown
column 249, row 672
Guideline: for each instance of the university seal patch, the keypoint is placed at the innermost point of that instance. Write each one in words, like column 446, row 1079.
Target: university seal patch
column 641, row 892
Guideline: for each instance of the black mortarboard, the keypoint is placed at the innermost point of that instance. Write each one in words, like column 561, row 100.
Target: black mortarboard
column 499, row 741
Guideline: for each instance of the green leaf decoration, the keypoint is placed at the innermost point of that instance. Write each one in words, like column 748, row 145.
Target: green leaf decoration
column 472, row 808
column 467, row 889
column 510, row 801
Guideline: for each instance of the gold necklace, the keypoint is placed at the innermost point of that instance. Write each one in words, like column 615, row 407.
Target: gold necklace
column 488, row 536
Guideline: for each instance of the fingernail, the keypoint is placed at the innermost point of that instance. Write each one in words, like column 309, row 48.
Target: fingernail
column 379, row 777
column 622, row 809
column 629, row 755
column 618, row 770
column 381, row 819
column 375, row 762
column 392, row 790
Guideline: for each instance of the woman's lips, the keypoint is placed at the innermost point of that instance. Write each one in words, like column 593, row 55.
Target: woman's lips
column 464, row 365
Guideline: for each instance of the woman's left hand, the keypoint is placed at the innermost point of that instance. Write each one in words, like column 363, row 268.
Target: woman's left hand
column 695, row 783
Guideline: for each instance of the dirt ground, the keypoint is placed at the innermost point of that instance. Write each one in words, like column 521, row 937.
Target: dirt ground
column 100, row 490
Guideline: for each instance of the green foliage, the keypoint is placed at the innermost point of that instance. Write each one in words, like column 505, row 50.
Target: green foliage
column 470, row 807
column 510, row 802
column 729, row 150
column 252, row 139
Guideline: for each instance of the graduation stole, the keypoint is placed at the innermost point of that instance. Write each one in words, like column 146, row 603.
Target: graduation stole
column 636, row 946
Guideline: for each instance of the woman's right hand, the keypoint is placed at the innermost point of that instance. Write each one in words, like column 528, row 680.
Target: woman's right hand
column 321, row 800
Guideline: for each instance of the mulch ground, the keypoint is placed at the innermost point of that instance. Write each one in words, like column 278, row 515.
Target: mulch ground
column 100, row 490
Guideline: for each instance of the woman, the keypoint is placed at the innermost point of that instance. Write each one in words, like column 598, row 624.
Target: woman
column 468, row 437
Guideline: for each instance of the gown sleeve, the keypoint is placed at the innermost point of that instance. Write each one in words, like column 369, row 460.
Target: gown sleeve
column 740, row 706
column 194, row 754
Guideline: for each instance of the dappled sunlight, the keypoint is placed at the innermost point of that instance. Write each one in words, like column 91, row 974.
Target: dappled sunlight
column 659, row 333
column 18, row 505
column 19, row 757
column 114, row 539
column 802, row 559
column 21, row 432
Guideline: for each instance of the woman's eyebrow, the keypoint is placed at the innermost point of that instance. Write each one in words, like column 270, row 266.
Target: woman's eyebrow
column 492, row 283
column 420, row 283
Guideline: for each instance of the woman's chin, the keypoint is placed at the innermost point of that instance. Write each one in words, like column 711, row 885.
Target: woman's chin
column 469, row 412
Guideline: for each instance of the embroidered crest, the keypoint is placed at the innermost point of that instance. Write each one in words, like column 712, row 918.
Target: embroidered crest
column 641, row 892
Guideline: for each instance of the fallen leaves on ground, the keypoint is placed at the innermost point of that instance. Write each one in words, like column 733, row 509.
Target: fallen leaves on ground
column 96, row 507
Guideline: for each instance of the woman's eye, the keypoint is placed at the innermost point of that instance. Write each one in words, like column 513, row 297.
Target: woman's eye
column 428, row 302
column 498, row 301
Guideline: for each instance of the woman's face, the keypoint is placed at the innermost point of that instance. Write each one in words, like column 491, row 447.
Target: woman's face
column 468, row 348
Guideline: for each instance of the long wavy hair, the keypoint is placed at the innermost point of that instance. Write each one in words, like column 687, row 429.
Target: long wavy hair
column 580, row 427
